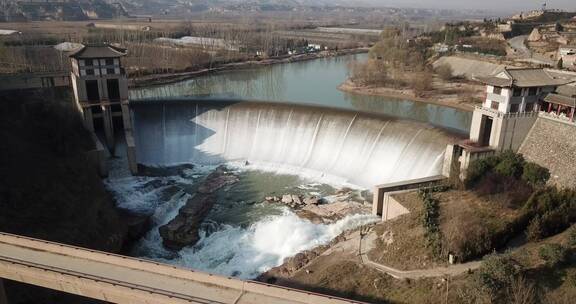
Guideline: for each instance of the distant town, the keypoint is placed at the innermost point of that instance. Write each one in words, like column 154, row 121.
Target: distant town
column 293, row 152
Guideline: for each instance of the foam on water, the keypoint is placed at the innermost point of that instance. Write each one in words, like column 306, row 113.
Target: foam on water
column 248, row 252
column 338, row 148
column 231, row 250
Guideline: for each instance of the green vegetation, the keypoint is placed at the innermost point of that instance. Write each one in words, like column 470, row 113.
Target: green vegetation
column 395, row 62
column 549, row 211
column 496, row 276
column 506, row 165
column 553, row 254
column 452, row 33
column 430, row 220
column 545, row 210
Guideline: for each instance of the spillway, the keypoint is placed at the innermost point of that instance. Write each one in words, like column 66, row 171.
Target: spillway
column 361, row 149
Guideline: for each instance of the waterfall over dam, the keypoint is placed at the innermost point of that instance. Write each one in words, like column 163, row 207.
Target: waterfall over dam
column 360, row 149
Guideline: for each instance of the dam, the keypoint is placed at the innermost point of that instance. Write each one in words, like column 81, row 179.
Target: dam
column 307, row 139
column 282, row 131
column 352, row 147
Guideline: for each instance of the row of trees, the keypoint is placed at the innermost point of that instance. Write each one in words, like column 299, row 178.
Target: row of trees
column 397, row 62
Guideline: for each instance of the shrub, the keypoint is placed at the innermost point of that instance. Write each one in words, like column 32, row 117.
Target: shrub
column 430, row 220
column 444, row 71
column 534, row 229
column 535, row 175
column 478, row 169
column 572, row 236
column 467, row 238
column 422, row 82
column 555, row 209
column 497, row 273
column 511, row 164
column 553, row 254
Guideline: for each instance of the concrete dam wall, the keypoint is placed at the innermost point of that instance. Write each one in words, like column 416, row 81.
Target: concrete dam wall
column 356, row 148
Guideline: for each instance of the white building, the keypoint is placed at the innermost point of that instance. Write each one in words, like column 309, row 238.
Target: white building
column 101, row 92
column 513, row 101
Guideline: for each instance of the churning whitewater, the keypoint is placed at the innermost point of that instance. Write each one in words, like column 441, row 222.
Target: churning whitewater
column 244, row 251
column 243, row 236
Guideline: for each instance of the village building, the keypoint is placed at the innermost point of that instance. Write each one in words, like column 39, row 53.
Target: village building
column 515, row 98
column 100, row 89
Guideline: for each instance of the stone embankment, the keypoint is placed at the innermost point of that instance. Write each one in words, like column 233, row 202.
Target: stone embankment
column 183, row 229
column 322, row 210
column 552, row 144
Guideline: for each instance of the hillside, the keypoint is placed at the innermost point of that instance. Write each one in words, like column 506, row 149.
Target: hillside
column 60, row 10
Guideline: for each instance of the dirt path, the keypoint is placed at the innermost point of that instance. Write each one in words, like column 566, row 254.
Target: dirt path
column 452, row 270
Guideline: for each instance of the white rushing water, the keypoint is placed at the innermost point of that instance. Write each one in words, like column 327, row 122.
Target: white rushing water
column 231, row 250
column 341, row 146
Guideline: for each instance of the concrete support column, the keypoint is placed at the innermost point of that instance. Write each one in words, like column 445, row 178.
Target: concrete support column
column 3, row 297
column 108, row 127
column 378, row 202
column 88, row 119
column 126, row 115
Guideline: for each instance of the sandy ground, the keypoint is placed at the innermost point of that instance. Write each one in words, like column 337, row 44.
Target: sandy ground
column 459, row 95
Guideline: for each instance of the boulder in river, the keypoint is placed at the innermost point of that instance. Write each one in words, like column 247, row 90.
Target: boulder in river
column 287, row 199
column 182, row 231
column 218, row 179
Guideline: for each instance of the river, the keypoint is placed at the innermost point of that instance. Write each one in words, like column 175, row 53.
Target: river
column 288, row 148
column 311, row 82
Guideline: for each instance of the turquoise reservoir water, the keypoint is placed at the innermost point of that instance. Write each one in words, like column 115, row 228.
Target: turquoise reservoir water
column 312, row 82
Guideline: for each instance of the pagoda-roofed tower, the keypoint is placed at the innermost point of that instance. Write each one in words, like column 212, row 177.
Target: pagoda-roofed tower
column 101, row 89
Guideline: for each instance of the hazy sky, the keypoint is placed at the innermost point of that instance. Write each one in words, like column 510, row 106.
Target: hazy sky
column 520, row 5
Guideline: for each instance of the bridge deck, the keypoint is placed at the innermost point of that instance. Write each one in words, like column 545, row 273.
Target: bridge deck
column 120, row 279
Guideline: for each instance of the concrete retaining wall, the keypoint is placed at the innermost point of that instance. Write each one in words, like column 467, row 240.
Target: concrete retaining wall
column 382, row 201
column 552, row 144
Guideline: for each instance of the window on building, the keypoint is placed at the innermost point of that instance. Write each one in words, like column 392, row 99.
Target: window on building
column 529, row 107
column 89, row 62
column 498, row 90
column 517, row 92
column 110, row 61
column 109, row 71
column 494, row 105
column 532, row 91
column 514, row 108
column 89, row 71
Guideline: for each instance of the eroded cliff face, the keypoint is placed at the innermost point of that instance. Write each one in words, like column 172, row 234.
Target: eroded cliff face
column 48, row 188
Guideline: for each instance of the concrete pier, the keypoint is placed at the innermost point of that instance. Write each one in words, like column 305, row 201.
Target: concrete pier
column 3, row 297
column 381, row 201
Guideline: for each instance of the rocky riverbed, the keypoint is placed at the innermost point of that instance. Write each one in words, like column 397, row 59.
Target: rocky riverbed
column 183, row 229
column 323, row 210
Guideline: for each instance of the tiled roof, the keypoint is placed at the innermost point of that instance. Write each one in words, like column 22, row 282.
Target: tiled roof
column 525, row 78
column 98, row 51
column 495, row 81
column 567, row 90
column 560, row 99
